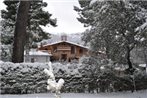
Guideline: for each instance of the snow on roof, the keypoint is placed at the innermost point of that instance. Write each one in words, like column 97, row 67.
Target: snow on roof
column 92, row 2
column 142, row 65
column 67, row 42
column 34, row 52
column 38, row 53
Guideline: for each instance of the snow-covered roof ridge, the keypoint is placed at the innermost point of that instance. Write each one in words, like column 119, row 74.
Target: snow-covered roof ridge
column 66, row 42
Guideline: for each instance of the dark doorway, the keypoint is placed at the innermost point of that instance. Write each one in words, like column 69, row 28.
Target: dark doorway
column 64, row 57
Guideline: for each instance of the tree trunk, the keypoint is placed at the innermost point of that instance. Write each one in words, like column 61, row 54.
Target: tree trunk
column 20, row 32
column 145, row 54
column 145, row 57
column 130, row 70
column 128, row 58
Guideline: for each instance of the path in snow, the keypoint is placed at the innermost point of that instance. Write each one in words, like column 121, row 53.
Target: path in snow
column 140, row 94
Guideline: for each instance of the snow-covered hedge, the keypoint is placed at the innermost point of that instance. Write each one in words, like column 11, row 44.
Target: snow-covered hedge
column 30, row 78
column 22, row 78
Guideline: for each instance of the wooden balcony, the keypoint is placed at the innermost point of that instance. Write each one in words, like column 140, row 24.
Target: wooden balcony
column 63, row 48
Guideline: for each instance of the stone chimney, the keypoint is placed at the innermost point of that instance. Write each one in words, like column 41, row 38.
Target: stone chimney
column 64, row 37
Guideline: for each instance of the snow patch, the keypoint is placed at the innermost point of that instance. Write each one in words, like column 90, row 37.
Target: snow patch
column 140, row 94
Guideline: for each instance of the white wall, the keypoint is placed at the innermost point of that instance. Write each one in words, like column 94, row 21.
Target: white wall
column 37, row 58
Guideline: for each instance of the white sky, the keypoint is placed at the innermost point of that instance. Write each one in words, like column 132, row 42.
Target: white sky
column 66, row 16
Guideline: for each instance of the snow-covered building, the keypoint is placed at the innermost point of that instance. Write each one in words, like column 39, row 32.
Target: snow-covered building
column 36, row 56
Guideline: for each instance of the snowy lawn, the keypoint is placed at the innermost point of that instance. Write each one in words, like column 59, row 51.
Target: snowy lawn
column 139, row 94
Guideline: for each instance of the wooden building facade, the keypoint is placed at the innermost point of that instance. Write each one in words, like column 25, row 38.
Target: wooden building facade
column 65, row 50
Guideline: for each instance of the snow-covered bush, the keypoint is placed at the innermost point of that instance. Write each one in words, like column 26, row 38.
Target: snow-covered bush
column 22, row 78
column 5, row 52
column 103, row 76
column 89, row 66
column 79, row 78
column 140, row 78
column 30, row 78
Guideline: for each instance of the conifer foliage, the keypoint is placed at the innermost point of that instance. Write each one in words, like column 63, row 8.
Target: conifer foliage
column 116, row 27
column 37, row 18
column 20, row 32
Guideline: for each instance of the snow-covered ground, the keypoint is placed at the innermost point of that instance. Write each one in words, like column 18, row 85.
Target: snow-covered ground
column 139, row 94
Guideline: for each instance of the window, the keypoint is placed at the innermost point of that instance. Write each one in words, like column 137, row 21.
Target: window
column 55, row 49
column 32, row 60
column 46, row 49
column 81, row 51
column 72, row 50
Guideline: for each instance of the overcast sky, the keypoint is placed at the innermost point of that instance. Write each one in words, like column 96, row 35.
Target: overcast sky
column 66, row 16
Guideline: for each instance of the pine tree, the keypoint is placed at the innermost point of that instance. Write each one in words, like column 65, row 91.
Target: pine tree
column 7, row 29
column 8, row 21
column 37, row 18
column 20, row 32
column 113, row 27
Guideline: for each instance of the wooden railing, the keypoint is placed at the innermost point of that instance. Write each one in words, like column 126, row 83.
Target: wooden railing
column 63, row 48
